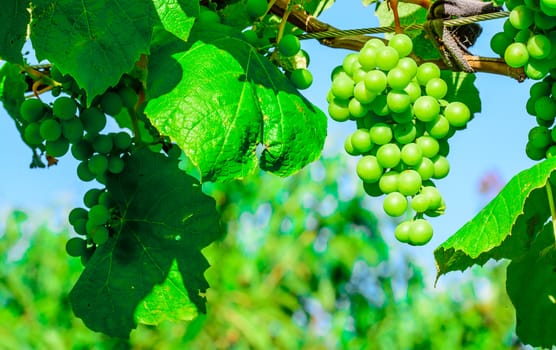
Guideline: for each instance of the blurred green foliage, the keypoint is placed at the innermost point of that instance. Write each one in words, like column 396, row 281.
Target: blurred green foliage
column 304, row 266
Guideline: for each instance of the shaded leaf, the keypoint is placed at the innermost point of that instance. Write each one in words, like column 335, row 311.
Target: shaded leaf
column 531, row 286
column 152, row 268
column 13, row 31
column 505, row 227
column 95, row 41
column 218, row 99
column 12, row 89
column 461, row 87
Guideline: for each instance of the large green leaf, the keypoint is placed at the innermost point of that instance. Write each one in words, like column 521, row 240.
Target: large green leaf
column 531, row 285
column 217, row 98
column 152, row 268
column 174, row 18
column 505, row 227
column 95, row 41
column 13, row 31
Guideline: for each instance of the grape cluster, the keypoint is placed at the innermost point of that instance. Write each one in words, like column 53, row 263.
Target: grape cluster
column 403, row 124
column 542, row 105
column 528, row 38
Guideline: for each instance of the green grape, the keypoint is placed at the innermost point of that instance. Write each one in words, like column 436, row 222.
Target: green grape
column 551, row 152
column 540, row 137
column 438, row 128
column 413, row 90
column 32, row 135
column 111, row 103
column 403, row 117
column 534, row 153
column 368, row 169
column 499, row 42
column 516, row 55
column 348, row 63
column 429, row 146
column 435, row 199
column 537, row 69
column 64, row 108
column 436, row 87
column 402, row 231
column 387, row 58
column 76, row 246
column 420, row 203
column 372, row 189
column 394, row 204
column 99, row 214
column 361, row 141
column 32, row 110
column 381, row 133
column 76, row 214
column 80, row 226
column 339, row 110
column 411, row 154
column 388, row 182
column 342, row 87
column 83, row 172
column 388, row 155
column 93, row 120
column 553, row 135
column 256, row 8
column 426, row 108
column 82, row 150
column 398, row 101
column 361, row 94
column 543, row 21
column 426, row 72
column 91, row 197
column 408, row 65
column 398, row 78
column 58, row 147
column 545, row 108
column 348, row 147
column 250, row 36
column 129, row 97
column 115, row 164
column 457, row 113
column 539, row 46
column 98, row 164
column 375, row 81
column 121, row 140
column 409, row 182
column 72, row 130
column 521, row 17
column 100, row 235
column 405, row 133
column 289, row 45
column 425, row 168
column 357, row 109
column 523, row 36
column 105, row 199
column 402, row 44
column 375, row 42
column 380, row 106
column 441, row 167
column 338, row 70
column 301, row 78
column 50, row 129
column 420, row 232
column 367, row 58
column 103, row 144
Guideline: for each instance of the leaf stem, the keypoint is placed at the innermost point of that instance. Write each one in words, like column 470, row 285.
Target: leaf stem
column 552, row 207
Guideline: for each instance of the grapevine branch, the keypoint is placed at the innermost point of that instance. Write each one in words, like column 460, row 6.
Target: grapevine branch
column 355, row 40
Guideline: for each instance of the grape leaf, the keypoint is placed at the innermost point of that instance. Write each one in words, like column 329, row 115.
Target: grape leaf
column 531, row 286
column 96, row 41
column 217, row 98
column 152, row 268
column 12, row 90
column 13, row 31
column 174, row 18
column 461, row 87
column 505, row 227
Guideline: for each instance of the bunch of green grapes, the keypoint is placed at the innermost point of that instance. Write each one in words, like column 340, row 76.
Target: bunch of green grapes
column 403, row 124
column 528, row 38
column 542, row 105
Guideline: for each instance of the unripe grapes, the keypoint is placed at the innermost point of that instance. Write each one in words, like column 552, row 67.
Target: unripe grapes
column 301, row 78
column 111, row 103
column 409, row 182
column 420, row 232
column 369, row 169
column 64, row 108
column 395, row 204
column 32, row 110
column 50, row 130
column 289, row 45
column 76, row 246
column 256, row 8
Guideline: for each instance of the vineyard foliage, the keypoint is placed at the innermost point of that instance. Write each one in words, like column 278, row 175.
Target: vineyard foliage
column 207, row 92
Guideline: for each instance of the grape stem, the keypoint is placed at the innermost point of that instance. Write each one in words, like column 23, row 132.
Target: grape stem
column 552, row 208
column 310, row 24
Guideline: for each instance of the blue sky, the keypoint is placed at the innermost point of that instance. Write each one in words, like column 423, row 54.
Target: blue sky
column 495, row 139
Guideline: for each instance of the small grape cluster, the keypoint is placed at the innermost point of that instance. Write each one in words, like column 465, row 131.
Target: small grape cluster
column 403, row 124
column 541, row 104
column 528, row 38
column 96, row 223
